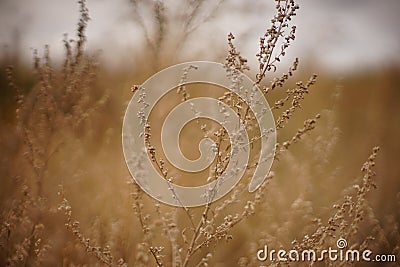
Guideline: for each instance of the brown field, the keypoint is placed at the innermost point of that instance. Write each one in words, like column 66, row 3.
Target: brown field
column 67, row 198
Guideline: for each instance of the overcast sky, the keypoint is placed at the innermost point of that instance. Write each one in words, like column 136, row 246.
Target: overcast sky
column 338, row 34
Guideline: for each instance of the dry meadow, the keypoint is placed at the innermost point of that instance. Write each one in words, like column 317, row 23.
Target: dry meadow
column 67, row 198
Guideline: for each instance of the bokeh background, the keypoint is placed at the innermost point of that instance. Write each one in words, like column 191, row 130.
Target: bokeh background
column 338, row 35
column 353, row 46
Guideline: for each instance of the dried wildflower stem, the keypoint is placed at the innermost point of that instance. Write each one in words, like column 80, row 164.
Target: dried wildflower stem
column 19, row 253
column 366, row 185
column 279, row 82
column 156, row 41
column 102, row 254
column 221, row 231
column 138, row 205
column 217, row 171
column 182, row 88
column 191, row 250
column 309, row 125
column 348, row 210
column 19, row 96
column 159, row 12
column 170, row 227
column 266, row 58
column 24, row 251
column 195, row 13
column 139, row 19
column 156, row 255
column 234, row 198
column 234, row 59
column 160, row 164
column 298, row 94
column 82, row 25
column 194, row 18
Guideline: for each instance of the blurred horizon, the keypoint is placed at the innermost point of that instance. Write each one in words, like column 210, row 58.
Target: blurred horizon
column 336, row 36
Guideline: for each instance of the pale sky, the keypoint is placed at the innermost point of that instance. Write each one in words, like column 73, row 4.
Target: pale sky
column 337, row 34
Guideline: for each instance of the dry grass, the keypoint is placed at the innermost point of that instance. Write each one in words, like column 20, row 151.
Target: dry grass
column 68, row 199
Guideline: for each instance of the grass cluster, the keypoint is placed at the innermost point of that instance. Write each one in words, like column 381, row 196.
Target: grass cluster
column 67, row 197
